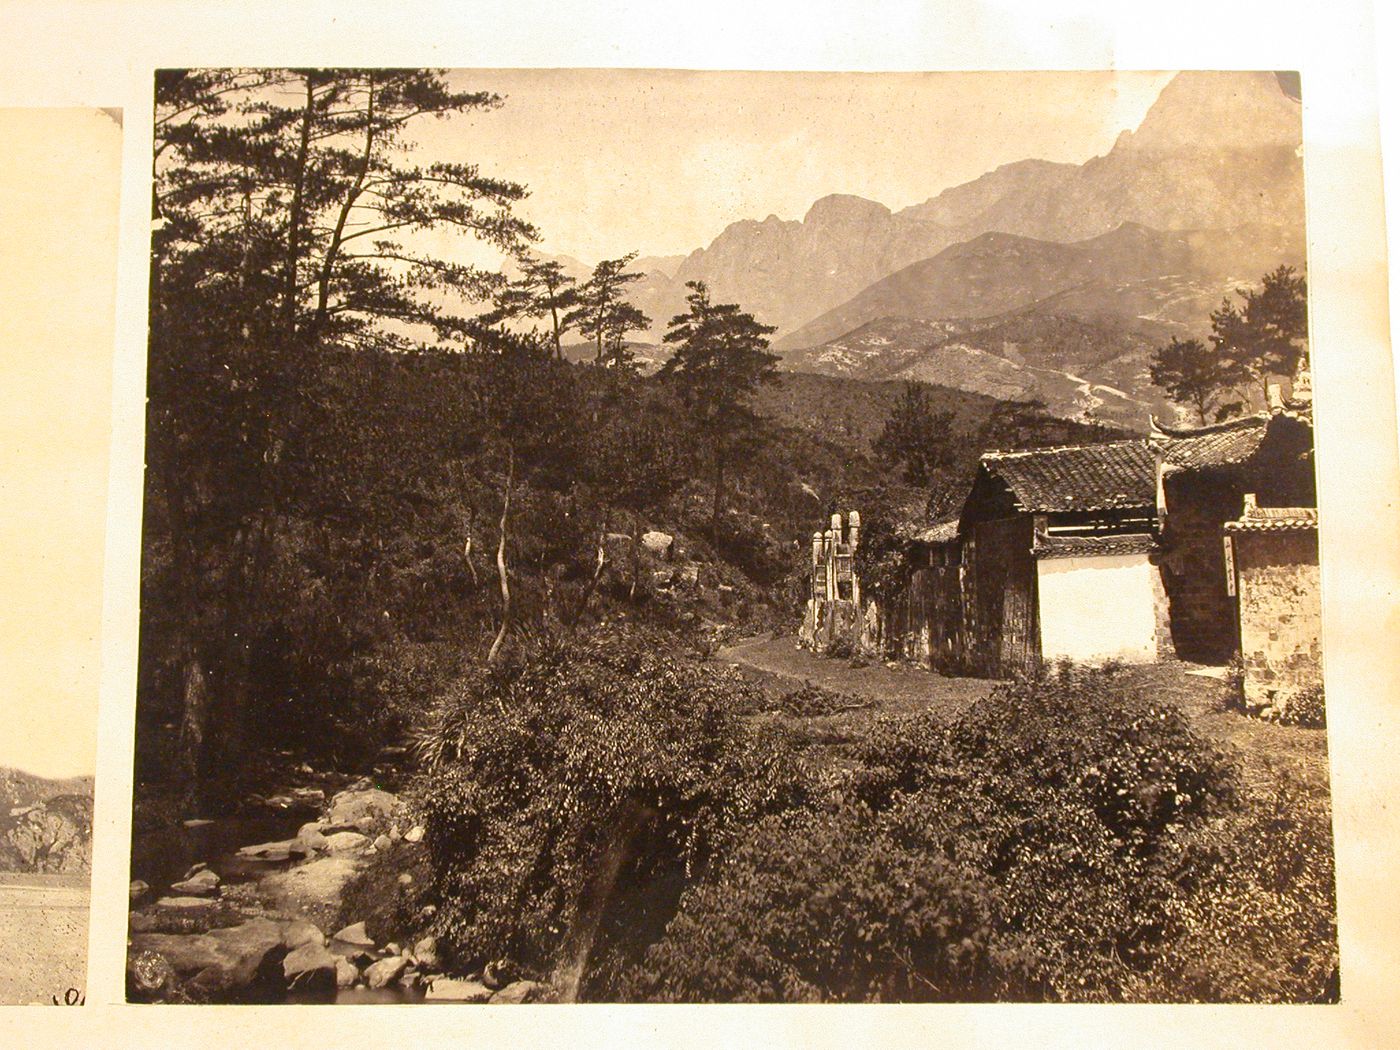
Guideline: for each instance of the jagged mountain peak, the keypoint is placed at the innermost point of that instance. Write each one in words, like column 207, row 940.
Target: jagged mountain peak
column 1200, row 109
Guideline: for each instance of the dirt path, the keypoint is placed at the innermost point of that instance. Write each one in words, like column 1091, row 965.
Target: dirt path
column 1267, row 753
column 778, row 666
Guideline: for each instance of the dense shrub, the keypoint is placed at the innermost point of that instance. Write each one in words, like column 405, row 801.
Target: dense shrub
column 1025, row 851
column 1253, row 906
column 1307, row 708
column 812, row 700
column 827, row 906
column 572, row 791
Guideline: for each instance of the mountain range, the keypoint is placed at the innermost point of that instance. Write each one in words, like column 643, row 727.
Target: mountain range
column 1038, row 279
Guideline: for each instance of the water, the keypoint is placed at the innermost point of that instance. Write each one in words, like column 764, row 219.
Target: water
column 161, row 857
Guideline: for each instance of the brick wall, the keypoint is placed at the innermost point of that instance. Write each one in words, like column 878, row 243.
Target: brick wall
column 1280, row 615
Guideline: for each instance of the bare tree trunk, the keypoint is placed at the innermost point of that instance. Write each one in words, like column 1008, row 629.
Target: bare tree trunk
column 718, row 494
column 597, row 895
column 598, row 567
column 636, row 559
column 501, row 560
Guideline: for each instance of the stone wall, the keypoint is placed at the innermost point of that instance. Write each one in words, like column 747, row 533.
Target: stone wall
column 1280, row 615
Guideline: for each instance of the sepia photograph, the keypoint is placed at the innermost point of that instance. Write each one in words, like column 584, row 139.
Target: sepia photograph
column 694, row 536
column 59, row 186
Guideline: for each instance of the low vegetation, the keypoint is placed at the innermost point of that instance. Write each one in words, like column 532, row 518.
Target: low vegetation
column 615, row 821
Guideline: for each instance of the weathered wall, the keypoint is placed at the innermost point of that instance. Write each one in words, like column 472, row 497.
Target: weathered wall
column 1203, row 625
column 923, row 622
column 1098, row 608
column 1280, row 615
column 1002, row 636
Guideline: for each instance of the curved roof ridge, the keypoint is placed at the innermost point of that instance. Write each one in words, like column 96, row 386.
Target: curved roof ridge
column 1176, row 431
column 998, row 453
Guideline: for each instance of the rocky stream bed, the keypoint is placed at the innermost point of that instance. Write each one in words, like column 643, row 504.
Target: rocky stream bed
column 248, row 920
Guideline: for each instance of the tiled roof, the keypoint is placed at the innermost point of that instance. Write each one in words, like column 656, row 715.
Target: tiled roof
column 1091, row 546
column 1114, row 475
column 1274, row 519
column 944, row 532
column 1223, row 444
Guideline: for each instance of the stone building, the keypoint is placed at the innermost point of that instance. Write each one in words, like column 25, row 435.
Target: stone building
column 1058, row 548
column 1271, row 557
column 1203, row 474
column 1195, row 542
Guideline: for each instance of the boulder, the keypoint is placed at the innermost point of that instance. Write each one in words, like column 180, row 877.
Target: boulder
column 352, row 807
column 425, row 951
column 222, row 960
column 185, row 903
column 346, row 973
column 386, row 971
column 456, row 990
column 414, row 834
column 405, row 878
column 299, row 932
column 149, row 976
column 274, row 852
column 689, row 575
column 195, row 869
column 382, row 843
column 355, row 934
column 203, row 883
column 518, row 992
column 138, row 890
column 311, row 836
column 310, row 966
column 392, row 948
column 346, row 841
column 658, row 543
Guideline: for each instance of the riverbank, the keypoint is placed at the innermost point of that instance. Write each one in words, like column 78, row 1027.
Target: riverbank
column 261, row 919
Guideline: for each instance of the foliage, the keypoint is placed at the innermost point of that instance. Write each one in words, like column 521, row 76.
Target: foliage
column 568, row 761
column 603, row 314
column 1307, row 708
column 882, row 556
column 542, row 291
column 1266, row 335
column 917, row 437
column 721, row 357
column 1025, row 851
column 1194, row 375
column 823, row 907
column 812, row 700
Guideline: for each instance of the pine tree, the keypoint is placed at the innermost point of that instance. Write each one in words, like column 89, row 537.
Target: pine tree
column 603, row 315
column 721, row 357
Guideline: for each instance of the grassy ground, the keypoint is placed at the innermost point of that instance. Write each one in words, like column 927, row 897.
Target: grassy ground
column 1268, row 754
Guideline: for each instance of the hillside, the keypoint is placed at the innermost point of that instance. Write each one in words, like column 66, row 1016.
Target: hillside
column 1135, row 271
column 45, row 825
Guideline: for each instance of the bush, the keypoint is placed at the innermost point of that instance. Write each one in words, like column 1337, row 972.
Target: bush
column 826, row 907
column 571, row 792
column 1024, row 851
column 812, row 700
column 1307, row 708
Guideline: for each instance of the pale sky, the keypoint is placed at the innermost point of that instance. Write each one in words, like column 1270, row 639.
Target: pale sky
column 59, row 187
column 662, row 161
